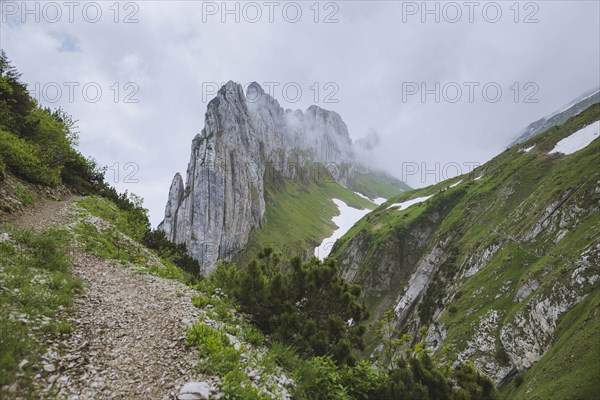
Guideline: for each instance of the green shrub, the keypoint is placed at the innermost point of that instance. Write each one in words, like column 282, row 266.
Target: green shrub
column 15, row 101
column 223, row 277
column 410, row 375
column 83, row 175
column 22, row 159
column 42, row 146
column 319, row 378
column 284, row 356
column 219, row 356
column 237, row 386
column 176, row 253
column 200, row 301
column 305, row 305
column 253, row 335
column 362, row 379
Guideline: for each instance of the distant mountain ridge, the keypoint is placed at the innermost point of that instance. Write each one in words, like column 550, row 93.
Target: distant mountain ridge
column 247, row 142
column 557, row 118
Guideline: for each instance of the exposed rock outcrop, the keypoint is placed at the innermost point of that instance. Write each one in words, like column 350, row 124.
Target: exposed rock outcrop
column 247, row 137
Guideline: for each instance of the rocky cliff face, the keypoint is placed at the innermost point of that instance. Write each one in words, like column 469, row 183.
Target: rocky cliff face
column 491, row 265
column 246, row 137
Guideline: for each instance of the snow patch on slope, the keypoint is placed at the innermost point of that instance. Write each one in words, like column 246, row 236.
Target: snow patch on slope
column 345, row 220
column 362, row 195
column 405, row 204
column 378, row 200
column 578, row 140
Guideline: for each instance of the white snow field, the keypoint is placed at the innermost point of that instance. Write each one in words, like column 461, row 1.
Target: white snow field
column 405, row 204
column 362, row 195
column 578, row 140
column 527, row 150
column 347, row 218
column 378, row 200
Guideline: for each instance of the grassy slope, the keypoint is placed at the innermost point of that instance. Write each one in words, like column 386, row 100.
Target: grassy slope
column 373, row 186
column 299, row 214
column 508, row 201
column 36, row 295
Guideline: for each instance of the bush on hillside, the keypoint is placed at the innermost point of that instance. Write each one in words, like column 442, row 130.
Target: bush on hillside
column 177, row 253
column 306, row 305
column 21, row 158
column 38, row 144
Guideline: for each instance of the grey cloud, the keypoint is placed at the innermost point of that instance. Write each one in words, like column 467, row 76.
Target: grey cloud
column 369, row 55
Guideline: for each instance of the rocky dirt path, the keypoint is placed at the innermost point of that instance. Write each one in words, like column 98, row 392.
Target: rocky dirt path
column 44, row 214
column 129, row 330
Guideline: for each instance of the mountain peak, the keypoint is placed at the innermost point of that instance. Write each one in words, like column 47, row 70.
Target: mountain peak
column 224, row 197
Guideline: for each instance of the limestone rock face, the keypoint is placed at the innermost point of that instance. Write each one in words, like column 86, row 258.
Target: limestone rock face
column 246, row 135
column 175, row 198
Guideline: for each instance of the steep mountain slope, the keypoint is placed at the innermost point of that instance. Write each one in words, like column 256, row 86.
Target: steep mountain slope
column 503, row 265
column 250, row 149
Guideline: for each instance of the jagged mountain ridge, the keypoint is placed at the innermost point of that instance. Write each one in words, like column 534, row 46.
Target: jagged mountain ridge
column 247, row 138
column 494, row 264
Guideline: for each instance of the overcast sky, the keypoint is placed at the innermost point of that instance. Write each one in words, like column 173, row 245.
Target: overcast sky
column 369, row 61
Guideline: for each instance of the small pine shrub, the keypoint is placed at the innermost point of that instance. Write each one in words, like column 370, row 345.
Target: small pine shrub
column 176, row 253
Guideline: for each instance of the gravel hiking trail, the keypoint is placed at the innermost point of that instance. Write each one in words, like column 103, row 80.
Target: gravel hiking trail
column 128, row 331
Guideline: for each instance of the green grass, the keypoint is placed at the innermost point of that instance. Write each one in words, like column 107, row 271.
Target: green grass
column 298, row 215
column 217, row 354
column 25, row 196
column 373, row 186
column 125, row 222
column 109, row 243
column 36, row 294
column 119, row 240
